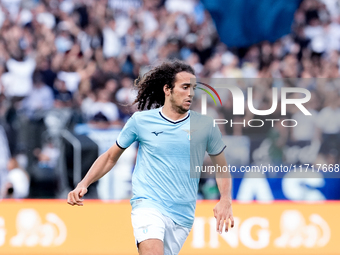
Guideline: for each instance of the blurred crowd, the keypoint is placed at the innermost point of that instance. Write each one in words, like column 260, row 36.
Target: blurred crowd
column 82, row 56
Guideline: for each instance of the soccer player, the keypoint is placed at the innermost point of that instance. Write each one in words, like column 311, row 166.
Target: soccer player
column 164, row 192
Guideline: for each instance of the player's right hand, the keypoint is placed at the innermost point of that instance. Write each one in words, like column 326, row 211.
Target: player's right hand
column 76, row 195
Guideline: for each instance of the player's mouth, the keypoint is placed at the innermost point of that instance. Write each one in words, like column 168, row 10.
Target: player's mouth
column 188, row 102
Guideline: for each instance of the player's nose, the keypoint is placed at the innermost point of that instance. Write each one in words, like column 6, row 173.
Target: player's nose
column 191, row 92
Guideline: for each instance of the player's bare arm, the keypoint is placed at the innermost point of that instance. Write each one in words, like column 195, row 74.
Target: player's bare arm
column 223, row 210
column 100, row 167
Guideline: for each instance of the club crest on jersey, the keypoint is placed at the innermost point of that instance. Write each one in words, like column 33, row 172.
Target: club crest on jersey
column 188, row 132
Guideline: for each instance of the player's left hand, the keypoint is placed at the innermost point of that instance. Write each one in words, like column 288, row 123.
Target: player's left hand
column 223, row 213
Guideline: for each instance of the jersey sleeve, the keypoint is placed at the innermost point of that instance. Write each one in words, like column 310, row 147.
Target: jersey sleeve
column 129, row 133
column 215, row 144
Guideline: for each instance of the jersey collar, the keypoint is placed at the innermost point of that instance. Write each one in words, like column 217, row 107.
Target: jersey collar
column 170, row 120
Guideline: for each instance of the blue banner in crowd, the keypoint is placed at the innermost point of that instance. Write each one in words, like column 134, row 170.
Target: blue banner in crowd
column 245, row 22
column 294, row 189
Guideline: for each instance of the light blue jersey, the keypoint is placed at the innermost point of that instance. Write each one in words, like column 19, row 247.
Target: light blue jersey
column 161, row 178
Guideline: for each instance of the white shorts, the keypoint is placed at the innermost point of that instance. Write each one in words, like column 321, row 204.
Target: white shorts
column 149, row 223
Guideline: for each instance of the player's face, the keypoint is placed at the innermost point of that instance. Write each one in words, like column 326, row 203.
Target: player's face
column 183, row 92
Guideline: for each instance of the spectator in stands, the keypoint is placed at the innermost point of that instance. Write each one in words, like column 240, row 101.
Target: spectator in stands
column 307, row 129
column 104, row 106
column 18, row 181
column 17, row 81
column 329, row 123
column 4, row 156
column 63, row 97
column 111, row 41
column 39, row 100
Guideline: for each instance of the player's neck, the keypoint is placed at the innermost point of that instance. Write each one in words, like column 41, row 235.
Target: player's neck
column 172, row 114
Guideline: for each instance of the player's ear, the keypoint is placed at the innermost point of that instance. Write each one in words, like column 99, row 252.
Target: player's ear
column 167, row 90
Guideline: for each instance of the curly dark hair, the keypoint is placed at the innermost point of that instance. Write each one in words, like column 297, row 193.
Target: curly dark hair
column 150, row 86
